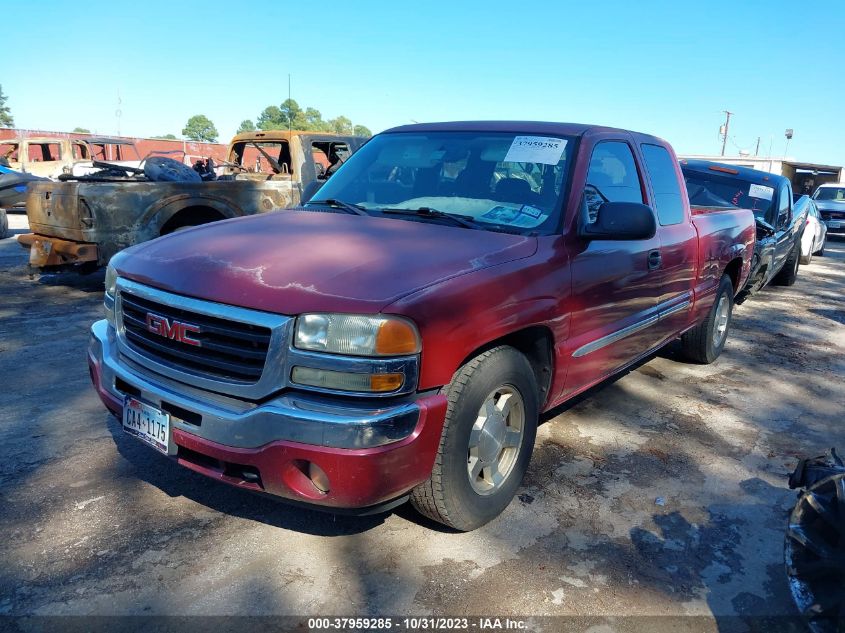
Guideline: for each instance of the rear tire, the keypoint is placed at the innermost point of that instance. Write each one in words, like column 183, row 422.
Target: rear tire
column 705, row 342
column 789, row 273
column 820, row 252
column 490, row 427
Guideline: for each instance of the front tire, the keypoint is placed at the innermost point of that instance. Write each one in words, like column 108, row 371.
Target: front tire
column 705, row 342
column 487, row 440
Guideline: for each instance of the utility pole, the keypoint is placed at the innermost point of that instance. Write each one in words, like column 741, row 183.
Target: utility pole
column 725, row 128
column 757, row 151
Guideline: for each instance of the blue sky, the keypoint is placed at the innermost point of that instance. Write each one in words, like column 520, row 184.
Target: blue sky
column 667, row 68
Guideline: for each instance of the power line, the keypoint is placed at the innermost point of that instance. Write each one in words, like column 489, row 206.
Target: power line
column 725, row 133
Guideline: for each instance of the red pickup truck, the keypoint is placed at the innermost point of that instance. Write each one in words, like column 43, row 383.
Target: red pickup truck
column 399, row 334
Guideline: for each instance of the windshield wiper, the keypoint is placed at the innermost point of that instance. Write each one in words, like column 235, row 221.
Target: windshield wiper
column 465, row 221
column 355, row 209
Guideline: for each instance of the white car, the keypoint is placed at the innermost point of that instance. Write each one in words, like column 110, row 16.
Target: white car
column 815, row 235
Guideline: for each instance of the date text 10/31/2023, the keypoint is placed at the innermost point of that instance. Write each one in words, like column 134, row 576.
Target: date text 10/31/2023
column 423, row 623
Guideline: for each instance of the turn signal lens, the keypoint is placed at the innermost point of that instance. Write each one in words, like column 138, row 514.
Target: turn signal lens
column 396, row 337
column 383, row 383
column 347, row 381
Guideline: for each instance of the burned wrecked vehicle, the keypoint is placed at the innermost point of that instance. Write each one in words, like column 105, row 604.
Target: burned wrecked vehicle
column 83, row 220
column 52, row 156
column 814, row 550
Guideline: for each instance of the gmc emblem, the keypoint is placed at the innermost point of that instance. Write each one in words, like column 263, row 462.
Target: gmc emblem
column 174, row 330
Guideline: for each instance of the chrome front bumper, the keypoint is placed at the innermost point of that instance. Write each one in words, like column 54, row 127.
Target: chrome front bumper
column 292, row 416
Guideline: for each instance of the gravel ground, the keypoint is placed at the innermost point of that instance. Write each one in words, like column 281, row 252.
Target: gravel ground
column 662, row 492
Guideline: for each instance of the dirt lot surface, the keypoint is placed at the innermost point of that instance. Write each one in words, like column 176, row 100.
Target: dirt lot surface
column 660, row 493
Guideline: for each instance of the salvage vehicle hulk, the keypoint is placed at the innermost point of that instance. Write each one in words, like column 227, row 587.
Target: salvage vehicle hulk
column 83, row 221
column 399, row 335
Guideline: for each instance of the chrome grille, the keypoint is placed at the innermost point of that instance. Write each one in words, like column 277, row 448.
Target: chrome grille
column 229, row 350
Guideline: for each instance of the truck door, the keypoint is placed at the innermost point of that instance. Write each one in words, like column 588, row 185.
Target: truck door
column 613, row 293
column 783, row 223
column 676, row 264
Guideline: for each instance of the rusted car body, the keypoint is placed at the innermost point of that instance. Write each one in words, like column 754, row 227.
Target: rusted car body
column 50, row 156
column 84, row 221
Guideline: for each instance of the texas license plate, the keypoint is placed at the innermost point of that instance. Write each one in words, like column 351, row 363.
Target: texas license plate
column 147, row 423
column 834, row 224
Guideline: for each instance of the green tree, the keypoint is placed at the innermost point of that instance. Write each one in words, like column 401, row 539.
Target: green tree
column 166, row 137
column 290, row 114
column 200, row 128
column 6, row 118
column 246, row 126
column 293, row 115
column 271, row 118
column 341, row 125
column 81, row 130
column 362, row 130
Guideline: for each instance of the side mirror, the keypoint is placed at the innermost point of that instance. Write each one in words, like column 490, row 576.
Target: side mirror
column 310, row 189
column 764, row 229
column 620, row 221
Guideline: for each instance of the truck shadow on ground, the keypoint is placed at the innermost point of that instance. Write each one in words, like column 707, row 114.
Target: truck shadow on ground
column 177, row 481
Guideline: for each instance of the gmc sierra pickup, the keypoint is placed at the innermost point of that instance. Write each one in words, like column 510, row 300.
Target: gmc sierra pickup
column 399, row 335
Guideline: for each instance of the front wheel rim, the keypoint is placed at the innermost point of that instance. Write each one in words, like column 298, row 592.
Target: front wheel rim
column 495, row 440
column 720, row 326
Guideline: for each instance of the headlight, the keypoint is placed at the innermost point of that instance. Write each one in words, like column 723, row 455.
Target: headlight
column 111, row 280
column 357, row 335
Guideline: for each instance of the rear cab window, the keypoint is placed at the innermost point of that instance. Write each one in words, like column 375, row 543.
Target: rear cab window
column 713, row 188
column 663, row 176
column 263, row 157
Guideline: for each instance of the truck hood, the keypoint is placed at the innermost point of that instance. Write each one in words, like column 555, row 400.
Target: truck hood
column 830, row 205
column 290, row 262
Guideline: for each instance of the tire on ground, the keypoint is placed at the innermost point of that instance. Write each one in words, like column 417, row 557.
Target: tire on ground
column 700, row 343
column 448, row 496
column 789, row 273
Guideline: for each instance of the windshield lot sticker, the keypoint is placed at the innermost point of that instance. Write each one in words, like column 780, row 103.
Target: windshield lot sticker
column 535, row 149
column 526, row 217
column 761, row 191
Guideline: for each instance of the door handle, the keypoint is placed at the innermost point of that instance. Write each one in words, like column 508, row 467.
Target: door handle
column 654, row 260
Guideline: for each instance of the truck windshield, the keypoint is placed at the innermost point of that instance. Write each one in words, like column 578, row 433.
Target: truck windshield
column 712, row 190
column 836, row 194
column 494, row 181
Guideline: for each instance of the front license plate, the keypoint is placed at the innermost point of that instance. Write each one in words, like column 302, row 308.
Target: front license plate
column 833, row 224
column 147, row 423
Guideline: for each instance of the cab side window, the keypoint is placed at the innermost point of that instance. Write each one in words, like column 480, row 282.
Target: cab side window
column 784, row 204
column 664, row 181
column 612, row 177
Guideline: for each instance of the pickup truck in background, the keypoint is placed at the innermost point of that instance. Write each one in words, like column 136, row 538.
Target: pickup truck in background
column 830, row 201
column 84, row 220
column 780, row 225
column 399, row 335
